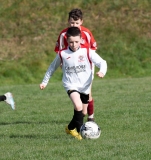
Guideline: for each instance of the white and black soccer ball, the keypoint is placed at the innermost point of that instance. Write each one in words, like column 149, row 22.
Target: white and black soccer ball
column 90, row 130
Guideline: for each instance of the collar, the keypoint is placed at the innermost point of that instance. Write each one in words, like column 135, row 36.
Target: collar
column 72, row 50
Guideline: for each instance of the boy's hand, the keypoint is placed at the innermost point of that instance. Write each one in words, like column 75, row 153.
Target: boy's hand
column 100, row 74
column 42, row 86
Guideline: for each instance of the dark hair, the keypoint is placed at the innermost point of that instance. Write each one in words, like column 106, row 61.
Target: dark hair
column 73, row 31
column 76, row 14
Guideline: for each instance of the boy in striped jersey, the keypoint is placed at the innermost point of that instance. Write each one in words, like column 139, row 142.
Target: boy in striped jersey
column 75, row 19
column 76, row 64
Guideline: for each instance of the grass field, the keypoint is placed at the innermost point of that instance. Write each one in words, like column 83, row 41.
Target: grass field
column 35, row 130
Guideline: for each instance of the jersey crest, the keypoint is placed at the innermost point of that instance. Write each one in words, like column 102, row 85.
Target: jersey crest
column 81, row 58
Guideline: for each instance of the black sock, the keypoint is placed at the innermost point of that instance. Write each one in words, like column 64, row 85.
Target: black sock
column 78, row 116
column 2, row 98
column 71, row 125
column 77, row 121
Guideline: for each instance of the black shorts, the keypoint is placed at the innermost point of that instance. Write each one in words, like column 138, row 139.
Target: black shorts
column 84, row 97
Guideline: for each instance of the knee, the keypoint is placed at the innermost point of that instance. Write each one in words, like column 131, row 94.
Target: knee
column 78, row 108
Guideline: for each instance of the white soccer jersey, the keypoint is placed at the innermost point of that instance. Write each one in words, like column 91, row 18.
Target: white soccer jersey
column 77, row 68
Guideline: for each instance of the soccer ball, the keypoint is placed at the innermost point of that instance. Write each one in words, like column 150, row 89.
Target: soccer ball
column 90, row 130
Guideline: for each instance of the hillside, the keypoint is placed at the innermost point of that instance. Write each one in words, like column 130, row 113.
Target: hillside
column 29, row 29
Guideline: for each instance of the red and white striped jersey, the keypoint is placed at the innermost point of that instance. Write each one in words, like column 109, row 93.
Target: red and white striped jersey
column 76, row 67
column 88, row 40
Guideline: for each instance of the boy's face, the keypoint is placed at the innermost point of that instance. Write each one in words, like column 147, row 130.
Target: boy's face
column 74, row 42
column 73, row 23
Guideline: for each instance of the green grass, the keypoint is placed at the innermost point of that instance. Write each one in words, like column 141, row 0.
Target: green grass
column 35, row 130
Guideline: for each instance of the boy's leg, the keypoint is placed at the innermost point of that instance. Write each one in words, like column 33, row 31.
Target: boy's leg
column 71, row 128
column 85, row 108
column 74, row 132
column 8, row 98
column 77, row 119
column 78, row 107
column 90, row 108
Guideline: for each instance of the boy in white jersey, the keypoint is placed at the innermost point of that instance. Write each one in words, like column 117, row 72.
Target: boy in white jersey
column 75, row 19
column 77, row 76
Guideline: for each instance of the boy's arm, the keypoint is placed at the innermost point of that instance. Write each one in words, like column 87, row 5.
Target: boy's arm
column 99, row 62
column 53, row 66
